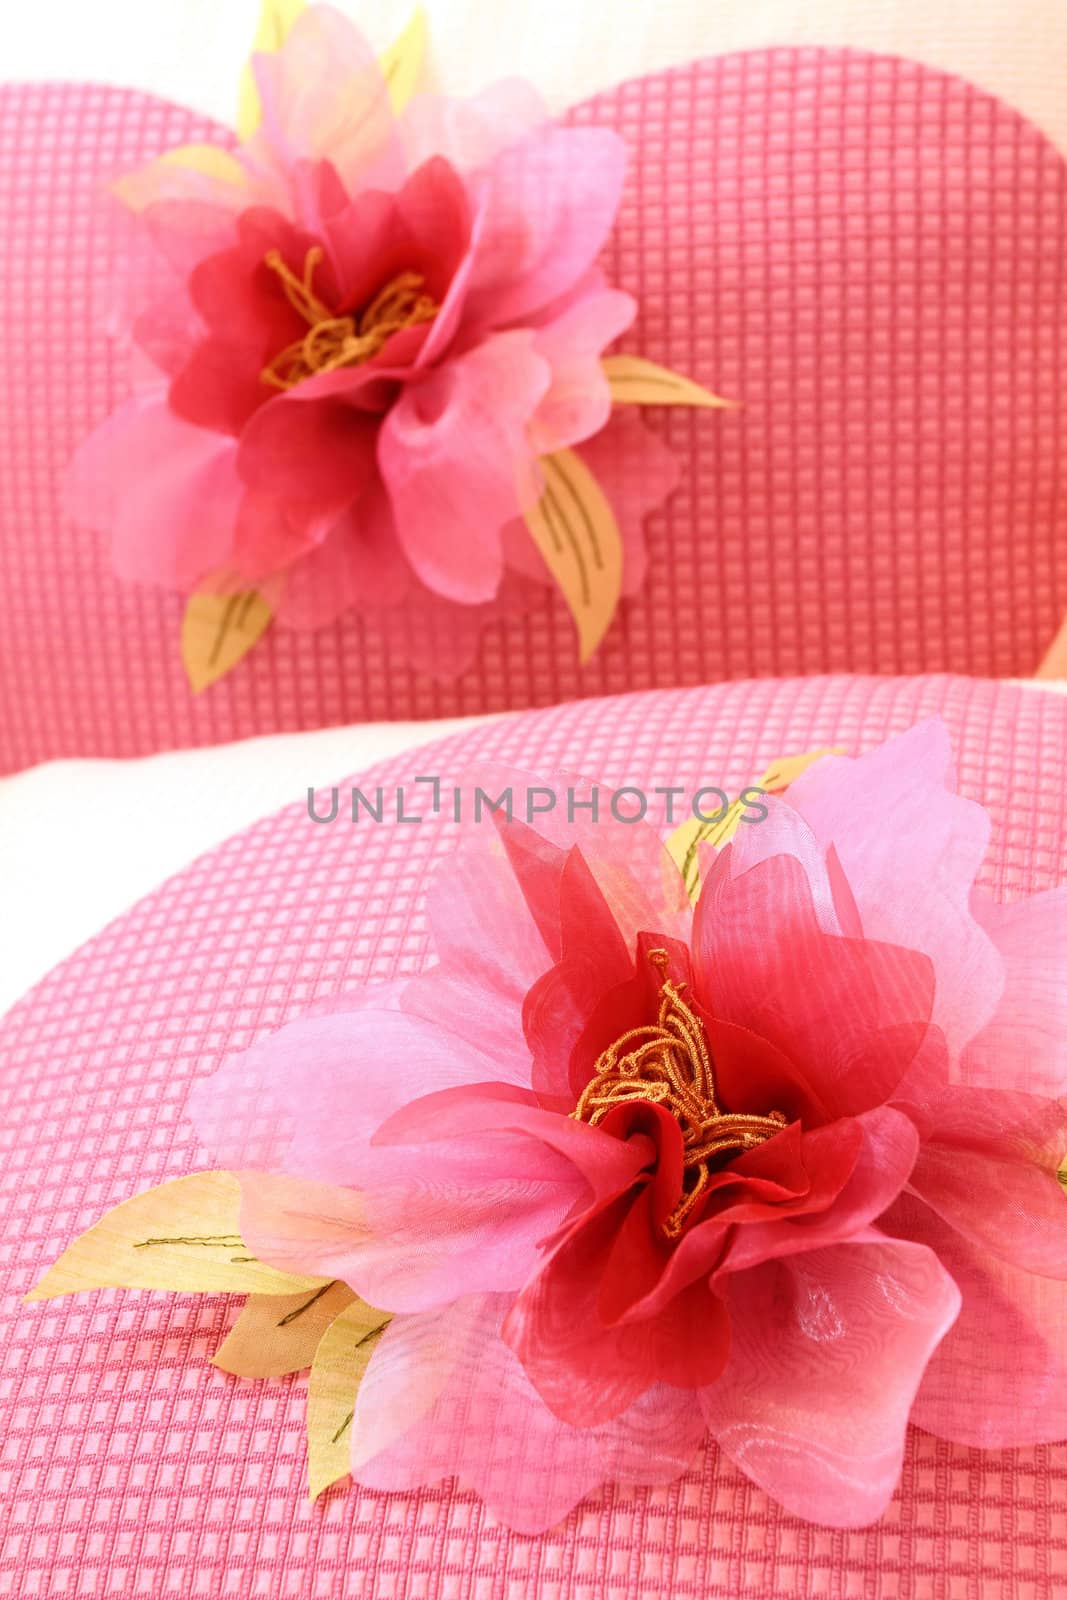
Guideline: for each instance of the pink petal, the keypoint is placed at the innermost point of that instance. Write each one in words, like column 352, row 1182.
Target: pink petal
column 594, row 959
column 470, row 133
column 552, row 201
column 454, row 457
column 312, row 1229
column 416, row 1245
column 323, row 97
column 433, row 636
column 187, row 230
column 999, row 1379
column 1024, row 1046
column 578, row 403
column 216, row 388
column 489, row 950
column 168, row 493
column 443, row 1397
column 357, row 565
column 910, row 849
column 488, row 1110
column 829, row 1349
column 317, row 456
column 424, row 227
column 850, row 1014
column 638, row 881
column 266, row 541
column 589, row 1359
column 784, row 832
column 890, row 1147
column 322, row 1085
column 988, row 1168
column 637, row 474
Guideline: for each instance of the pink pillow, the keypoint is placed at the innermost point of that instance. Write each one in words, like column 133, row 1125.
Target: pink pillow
column 866, row 253
column 132, row 1467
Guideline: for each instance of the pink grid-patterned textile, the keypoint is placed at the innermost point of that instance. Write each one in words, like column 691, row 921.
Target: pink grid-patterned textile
column 868, row 253
column 130, row 1467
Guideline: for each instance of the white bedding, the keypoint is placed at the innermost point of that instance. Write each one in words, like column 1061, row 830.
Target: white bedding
column 80, row 841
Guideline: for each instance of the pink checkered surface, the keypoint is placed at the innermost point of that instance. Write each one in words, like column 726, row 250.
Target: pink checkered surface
column 131, row 1467
column 868, row 254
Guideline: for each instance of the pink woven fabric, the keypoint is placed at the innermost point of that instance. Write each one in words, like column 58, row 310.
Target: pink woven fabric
column 868, row 253
column 131, row 1468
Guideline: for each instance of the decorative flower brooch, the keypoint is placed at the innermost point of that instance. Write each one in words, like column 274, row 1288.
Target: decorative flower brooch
column 377, row 381
column 780, row 1166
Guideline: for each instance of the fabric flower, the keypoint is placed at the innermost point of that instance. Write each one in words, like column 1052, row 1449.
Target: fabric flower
column 782, row 1167
column 378, row 327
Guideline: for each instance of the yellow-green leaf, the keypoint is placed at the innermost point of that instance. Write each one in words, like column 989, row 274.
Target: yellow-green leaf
column 787, row 769
column 277, row 18
column 161, row 179
column 1054, row 661
column 336, row 1372
column 683, row 845
column 217, row 631
column 636, row 382
column 279, row 1333
column 183, row 1235
column 402, row 64
column 575, row 530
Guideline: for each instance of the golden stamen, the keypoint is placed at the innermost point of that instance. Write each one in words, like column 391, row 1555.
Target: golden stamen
column 331, row 341
column 669, row 1063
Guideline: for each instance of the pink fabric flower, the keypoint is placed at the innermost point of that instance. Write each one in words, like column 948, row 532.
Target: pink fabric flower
column 782, row 1168
column 377, row 327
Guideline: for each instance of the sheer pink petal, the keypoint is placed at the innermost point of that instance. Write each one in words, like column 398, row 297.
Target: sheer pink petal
column 469, row 133
column 988, row 1167
column 594, row 959
column 216, row 388
column 552, row 200
column 323, row 97
column 488, row 1110
column 829, row 1349
column 409, row 1249
column 440, row 639
column 851, row 1014
column 884, row 1164
column 443, row 1397
column 435, row 1235
column 317, row 456
column 308, row 1098
column 578, row 403
column 910, row 849
column 167, row 492
column 1025, row 1044
column 313, row 1229
column 638, row 881
column 999, row 1379
column 424, row 227
column 184, row 231
column 588, row 1354
column 784, row 832
column 357, row 565
column 419, row 1243
column 487, row 943
column 454, row 457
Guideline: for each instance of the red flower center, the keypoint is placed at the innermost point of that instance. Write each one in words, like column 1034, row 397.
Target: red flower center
column 668, row 1063
column 341, row 341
